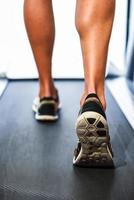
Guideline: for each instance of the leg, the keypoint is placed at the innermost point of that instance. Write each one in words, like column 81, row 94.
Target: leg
column 94, row 21
column 39, row 21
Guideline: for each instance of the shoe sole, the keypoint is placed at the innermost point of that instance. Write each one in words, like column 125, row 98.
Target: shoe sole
column 92, row 131
column 46, row 117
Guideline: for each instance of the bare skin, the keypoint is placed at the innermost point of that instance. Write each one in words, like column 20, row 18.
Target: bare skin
column 94, row 20
column 39, row 21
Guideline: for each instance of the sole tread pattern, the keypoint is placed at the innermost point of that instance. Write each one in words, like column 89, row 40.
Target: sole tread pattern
column 94, row 140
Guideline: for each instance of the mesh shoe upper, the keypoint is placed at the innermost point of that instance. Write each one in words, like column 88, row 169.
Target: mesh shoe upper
column 48, row 106
column 92, row 103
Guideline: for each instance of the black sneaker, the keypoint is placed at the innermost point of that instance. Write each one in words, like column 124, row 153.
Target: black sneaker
column 94, row 148
column 46, row 108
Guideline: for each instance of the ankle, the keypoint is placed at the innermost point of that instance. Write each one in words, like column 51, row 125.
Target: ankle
column 101, row 98
column 48, row 89
column 100, row 93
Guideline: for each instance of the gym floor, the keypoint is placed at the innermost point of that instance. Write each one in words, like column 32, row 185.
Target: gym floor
column 36, row 158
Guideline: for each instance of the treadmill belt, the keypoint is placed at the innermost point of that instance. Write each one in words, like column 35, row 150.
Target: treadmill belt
column 36, row 157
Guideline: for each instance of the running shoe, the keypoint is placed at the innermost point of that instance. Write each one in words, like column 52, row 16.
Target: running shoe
column 94, row 148
column 46, row 108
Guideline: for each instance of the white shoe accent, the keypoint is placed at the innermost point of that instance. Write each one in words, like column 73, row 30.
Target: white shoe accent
column 46, row 117
column 35, row 104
